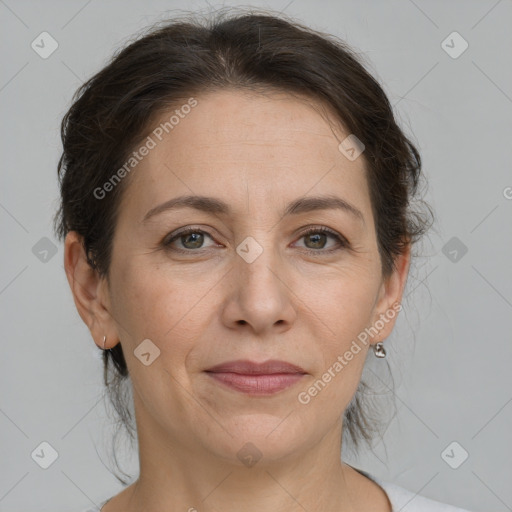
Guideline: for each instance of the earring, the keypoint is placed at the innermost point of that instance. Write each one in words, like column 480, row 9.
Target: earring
column 378, row 350
column 104, row 340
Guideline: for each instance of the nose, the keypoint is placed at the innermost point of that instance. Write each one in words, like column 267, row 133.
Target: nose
column 259, row 297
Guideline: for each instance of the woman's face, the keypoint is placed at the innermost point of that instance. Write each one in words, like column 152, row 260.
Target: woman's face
column 247, row 284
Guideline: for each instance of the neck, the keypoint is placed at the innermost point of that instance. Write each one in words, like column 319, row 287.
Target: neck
column 185, row 476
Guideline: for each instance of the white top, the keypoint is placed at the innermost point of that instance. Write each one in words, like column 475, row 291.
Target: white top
column 401, row 499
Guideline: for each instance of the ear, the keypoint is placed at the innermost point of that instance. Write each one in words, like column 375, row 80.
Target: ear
column 90, row 292
column 389, row 299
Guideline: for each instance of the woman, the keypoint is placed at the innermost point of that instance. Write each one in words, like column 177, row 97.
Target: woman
column 238, row 232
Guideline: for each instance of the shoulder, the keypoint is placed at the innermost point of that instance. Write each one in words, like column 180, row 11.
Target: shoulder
column 407, row 501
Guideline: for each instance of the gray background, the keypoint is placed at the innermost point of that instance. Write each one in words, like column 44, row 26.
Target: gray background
column 451, row 350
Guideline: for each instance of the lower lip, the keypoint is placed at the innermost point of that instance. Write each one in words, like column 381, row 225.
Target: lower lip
column 257, row 384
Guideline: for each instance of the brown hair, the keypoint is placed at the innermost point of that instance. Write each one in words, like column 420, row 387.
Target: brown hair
column 115, row 108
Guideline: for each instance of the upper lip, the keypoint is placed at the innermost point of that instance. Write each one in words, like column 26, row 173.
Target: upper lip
column 246, row 367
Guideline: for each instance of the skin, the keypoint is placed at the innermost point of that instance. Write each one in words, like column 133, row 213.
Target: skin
column 206, row 306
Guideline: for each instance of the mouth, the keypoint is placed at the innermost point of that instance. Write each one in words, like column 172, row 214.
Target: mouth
column 253, row 378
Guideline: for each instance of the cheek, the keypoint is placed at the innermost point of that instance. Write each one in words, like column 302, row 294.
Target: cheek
column 345, row 308
column 167, row 309
column 345, row 302
column 171, row 316
column 174, row 307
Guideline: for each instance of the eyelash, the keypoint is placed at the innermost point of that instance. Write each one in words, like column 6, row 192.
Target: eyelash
column 342, row 242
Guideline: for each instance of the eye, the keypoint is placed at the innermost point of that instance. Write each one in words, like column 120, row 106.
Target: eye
column 316, row 239
column 189, row 238
column 192, row 239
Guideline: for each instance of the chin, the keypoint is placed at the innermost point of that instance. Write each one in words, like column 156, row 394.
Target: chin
column 258, row 439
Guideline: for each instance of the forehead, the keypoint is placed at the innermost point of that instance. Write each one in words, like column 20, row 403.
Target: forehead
column 241, row 141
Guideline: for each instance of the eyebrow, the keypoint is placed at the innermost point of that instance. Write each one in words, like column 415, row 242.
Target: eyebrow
column 219, row 207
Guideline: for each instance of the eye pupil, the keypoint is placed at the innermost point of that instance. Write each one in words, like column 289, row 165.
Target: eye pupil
column 196, row 243
column 319, row 237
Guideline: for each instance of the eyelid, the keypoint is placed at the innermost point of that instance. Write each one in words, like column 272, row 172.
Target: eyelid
column 168, row 239
column 320, row 228
column 343, row 242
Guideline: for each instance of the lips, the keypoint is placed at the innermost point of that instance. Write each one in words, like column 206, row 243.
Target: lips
column 254, row 378
column 251, row 368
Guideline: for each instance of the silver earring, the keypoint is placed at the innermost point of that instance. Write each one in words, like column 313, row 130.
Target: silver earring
column 378, row 350
column 104, row 340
